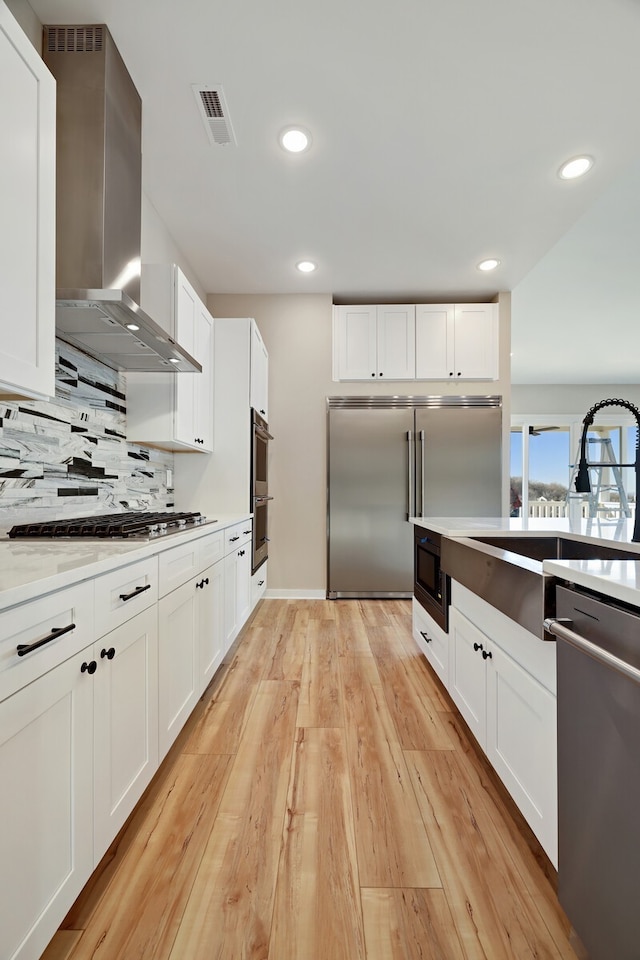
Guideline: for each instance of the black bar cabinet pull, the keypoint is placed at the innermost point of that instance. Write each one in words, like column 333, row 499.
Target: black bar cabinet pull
column 233, row 539
column 138, row 590
column 426, row 636
column 24, row 648
column 109, row 654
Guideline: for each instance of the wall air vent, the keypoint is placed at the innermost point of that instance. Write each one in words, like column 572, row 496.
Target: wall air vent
column 75, row 39
column 215, row 115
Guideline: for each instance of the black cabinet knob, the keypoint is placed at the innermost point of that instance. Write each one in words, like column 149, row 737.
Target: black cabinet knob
column 241, row 553
column 487, row 655
column 109, row 654
column 90, row 667
column 477, row 646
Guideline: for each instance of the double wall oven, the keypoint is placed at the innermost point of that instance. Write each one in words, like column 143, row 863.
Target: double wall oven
column 260, row 497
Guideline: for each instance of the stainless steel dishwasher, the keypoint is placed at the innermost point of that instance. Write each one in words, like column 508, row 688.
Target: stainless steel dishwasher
column 598, row 654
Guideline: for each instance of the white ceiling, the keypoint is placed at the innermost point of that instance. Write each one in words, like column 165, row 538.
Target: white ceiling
column 438, row 127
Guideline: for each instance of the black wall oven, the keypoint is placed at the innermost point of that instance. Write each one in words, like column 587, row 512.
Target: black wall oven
column 432, row 586
column 260, row 498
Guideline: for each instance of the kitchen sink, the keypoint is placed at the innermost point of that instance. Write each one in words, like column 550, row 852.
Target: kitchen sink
column 506, row 571
column 558, row 548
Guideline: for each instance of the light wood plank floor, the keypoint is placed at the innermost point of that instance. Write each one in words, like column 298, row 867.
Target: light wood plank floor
column 324, row 802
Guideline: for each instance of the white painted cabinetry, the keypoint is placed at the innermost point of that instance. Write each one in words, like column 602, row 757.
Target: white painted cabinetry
column 27, row 224
column 502, row 680
column 374, row 342
column 191, row 629
column 46, row 769
column 174, row 410
column 237, row 580
column 432, row 640
column 259, row 364
column 457, row 341
column 125, row 695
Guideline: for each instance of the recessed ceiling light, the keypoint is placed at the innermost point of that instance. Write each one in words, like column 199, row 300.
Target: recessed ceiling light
column 306, row 266
column 490, row 264
column 576, row 167
column 295, row 139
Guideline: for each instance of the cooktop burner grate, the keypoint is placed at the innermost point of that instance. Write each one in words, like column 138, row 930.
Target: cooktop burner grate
column 111, row 526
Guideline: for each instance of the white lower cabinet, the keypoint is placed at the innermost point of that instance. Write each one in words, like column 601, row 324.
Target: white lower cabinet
column 46, row 805
column 513, row 718
column 432, row 640
column 259, row 584
column 211, row 623
column 125, row 722
column 178, row 660
column 237, row 581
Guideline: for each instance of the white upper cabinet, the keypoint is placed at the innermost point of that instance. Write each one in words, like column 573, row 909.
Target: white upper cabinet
column 27, row 227
column 174, row 410
column 374, row 342
column 259, row 388
column 457, row 341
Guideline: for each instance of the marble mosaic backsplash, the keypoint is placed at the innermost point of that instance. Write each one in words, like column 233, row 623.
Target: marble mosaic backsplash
column 69, row 456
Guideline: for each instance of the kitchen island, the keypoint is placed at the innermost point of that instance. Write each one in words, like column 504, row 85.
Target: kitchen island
column 494, row 657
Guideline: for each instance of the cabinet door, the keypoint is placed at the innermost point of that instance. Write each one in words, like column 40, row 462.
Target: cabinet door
column 521, row 743
column 476, row 341
column 177, row 661
column 231, row 627
column 243, row 596
column 194, row 391
column 434, row 341
column 211, row 623
column 46, row 816
column 396, row 342
column 355, row 345
column 259, row 373
column 27, row 229
column 467, row 672
column 186, row 305
column 125, row 722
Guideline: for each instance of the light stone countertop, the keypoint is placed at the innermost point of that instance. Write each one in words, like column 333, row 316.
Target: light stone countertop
column 618, row 579
column 31, row 568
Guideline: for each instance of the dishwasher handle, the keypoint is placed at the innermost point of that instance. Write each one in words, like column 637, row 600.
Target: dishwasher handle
column 559, row 628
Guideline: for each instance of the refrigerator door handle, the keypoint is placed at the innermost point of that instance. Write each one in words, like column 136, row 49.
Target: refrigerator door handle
column 422, row 494
column 411, row 473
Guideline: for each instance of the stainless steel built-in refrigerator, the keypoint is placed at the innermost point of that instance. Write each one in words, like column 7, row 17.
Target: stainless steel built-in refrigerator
column 390, row 458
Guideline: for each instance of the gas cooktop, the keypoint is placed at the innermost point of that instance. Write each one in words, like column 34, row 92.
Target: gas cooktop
column 137, row 525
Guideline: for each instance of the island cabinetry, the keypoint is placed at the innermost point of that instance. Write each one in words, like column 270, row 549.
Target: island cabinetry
column 374, row 342
column 511, row 713
column 125, row 695
column 432, row 640
column 46, row 754
column 457, row 341
column 174, row 410
column 27, row 201
column 190, row 633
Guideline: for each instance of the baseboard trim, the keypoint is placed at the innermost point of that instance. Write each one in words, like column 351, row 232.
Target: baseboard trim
column 277, row 594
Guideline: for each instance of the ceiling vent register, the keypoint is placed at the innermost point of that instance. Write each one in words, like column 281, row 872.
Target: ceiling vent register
column 75, row 39
column 215, row 115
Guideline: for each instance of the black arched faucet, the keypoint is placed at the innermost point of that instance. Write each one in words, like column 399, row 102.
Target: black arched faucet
column 583, row 484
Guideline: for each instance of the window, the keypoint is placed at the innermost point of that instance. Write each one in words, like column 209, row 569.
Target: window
column 544, row 452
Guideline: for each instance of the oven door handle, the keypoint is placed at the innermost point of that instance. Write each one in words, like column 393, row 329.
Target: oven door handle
column 558, row 628
column 261, row 499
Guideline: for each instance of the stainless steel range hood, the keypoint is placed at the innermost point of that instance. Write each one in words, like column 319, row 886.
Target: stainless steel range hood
column 99, row 198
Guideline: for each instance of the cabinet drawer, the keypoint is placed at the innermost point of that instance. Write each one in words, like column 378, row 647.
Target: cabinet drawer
column 124, row 592
column 179, row 565
column 258, row 584
column 211, row 549
column 237, row 535
column 30, row 623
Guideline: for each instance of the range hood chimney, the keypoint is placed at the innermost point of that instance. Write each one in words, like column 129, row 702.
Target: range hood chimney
column 99, row 202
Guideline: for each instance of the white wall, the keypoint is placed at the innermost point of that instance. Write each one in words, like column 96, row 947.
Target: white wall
column 297, row 332
column 158, row 246
column 568, row 398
